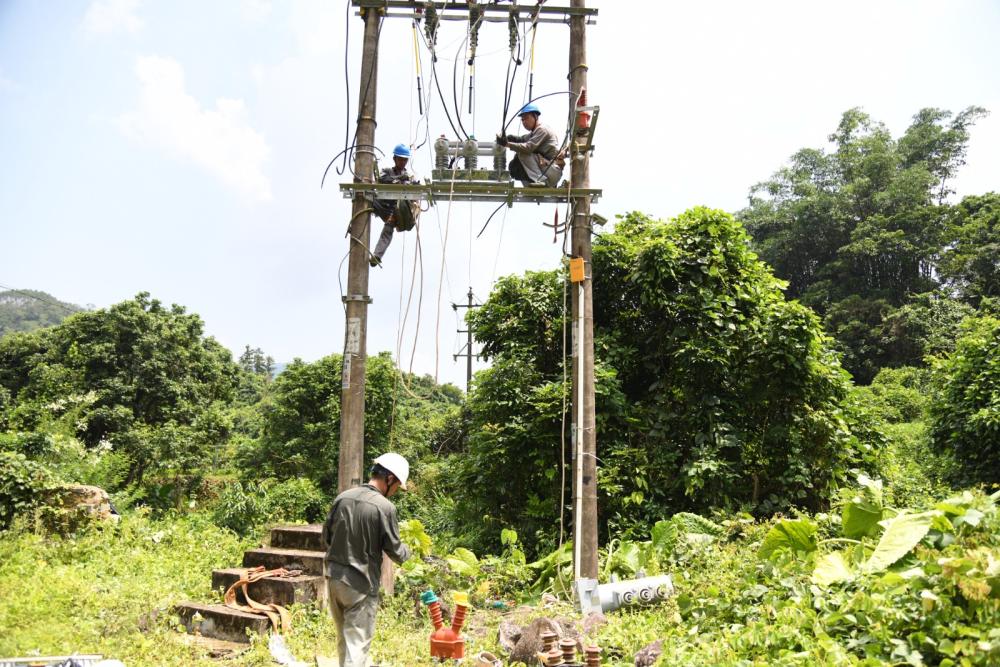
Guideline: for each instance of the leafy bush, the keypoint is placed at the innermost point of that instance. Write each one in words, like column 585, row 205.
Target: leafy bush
column 900, row 394
column 244, row 507
column 296, row 500
column 241, row 507
column 965, row 412
column 23, row 486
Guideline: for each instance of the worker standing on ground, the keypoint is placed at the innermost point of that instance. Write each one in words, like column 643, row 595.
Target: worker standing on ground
column 537, row 162
column 360, row 527
column 399, row 215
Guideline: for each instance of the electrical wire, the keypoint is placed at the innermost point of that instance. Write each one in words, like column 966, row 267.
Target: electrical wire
column 57, row 304
column 351, row 147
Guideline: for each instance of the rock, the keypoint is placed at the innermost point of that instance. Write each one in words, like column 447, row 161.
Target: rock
column 91, row 500
column 507, row 635
column 647, row 656
column 528, row 646
column 592, row 622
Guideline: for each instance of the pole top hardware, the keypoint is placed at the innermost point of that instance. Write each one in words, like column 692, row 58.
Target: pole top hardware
column 491, row 13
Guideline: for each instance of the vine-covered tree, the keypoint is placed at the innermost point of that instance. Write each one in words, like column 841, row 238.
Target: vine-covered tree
column 712, row 389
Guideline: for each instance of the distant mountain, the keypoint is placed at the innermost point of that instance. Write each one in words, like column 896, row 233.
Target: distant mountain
column 24, row 310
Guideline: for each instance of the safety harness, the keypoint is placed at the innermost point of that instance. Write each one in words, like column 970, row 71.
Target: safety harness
column 281, row 620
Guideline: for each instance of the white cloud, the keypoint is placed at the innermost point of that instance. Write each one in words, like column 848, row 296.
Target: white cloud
column 108, row 16
column 220, row 140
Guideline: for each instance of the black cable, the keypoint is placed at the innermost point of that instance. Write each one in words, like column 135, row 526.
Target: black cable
column 437, row 84
column 454, row 92
column 490, row 218
column 347, row 87
column 351, row 147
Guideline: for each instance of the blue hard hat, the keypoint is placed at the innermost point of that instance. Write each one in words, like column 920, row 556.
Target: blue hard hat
column 401, row 150
column 530, row 107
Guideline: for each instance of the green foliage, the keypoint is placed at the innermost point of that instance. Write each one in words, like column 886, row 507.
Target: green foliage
column 96, row 592
column 712, row 389
column 899, row 394
column 23, row 486
column 27, row 310
column 137, row 375
column 299, row 434
column 968, row 263
column 965, row 411
column 245, row 507
column 794, row 535
column 858, row 229
column 922, row 599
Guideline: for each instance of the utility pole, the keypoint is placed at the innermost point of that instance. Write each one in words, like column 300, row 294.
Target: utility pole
column 468, row 342
column 583, row 411
column 352, row 397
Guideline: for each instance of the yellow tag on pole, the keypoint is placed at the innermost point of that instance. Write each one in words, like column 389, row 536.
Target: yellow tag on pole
column 576, row 270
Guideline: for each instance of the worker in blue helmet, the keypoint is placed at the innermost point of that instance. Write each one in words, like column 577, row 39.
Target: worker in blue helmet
column 398, row 215
column 537, row 161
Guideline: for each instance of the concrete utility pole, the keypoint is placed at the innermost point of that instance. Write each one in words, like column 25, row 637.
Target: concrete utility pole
column 352, row 397
column 583, row 413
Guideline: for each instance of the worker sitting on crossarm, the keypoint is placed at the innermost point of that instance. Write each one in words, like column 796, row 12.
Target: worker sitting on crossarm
column 537, row 162
column 398, row 215
column 360, row 527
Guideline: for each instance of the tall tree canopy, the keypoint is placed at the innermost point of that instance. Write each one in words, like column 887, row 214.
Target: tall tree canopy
column 712, row 388
column 138, row 375
column 858, row 230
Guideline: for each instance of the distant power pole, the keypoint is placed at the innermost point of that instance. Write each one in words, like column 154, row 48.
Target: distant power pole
column 468, row 342
column 585, row 432
column 352, row 397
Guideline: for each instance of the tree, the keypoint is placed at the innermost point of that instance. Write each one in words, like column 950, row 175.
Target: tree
column 965, row 411
column 858, row 229
column 970, row 262
column 138, row 375
column 256, row 362
column 300, row 429
column 712, row 389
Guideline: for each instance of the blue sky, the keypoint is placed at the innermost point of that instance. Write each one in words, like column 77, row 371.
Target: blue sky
column 177, row 147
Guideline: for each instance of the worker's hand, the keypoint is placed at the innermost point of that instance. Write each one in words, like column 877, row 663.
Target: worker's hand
column 502, row 139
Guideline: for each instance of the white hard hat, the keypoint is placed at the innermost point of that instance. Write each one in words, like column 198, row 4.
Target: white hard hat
column 395, row 464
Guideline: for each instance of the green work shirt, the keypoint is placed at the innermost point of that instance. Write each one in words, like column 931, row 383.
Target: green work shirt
column 361, row 525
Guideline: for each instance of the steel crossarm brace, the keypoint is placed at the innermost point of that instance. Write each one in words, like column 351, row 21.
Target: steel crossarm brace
column 484, row 192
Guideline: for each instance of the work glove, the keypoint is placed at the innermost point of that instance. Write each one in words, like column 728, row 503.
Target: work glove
column 502, row 139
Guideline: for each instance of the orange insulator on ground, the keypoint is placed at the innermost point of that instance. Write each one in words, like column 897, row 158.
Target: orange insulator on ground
column 447, row 643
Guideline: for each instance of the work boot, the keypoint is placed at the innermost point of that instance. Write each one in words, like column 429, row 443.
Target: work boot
column 537, row 184
column 374, row 261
